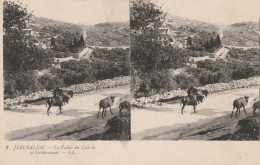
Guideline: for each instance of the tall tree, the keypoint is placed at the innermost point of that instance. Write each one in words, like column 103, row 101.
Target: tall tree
column 81, row 41
column 15, row 17
column 218, row 41
column 211, row 44
column 145, row 15
column 18, row 52
column 189, row 42
column 207, row 45
column 14, row 42
column 146, row 44
column 52, row 41
column 75, row 43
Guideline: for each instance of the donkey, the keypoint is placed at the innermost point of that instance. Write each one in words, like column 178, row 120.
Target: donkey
column 189, row 100
column 124, row 105
column 105, row 103
column 55, row 101
column 256, row 105
column 239, row 103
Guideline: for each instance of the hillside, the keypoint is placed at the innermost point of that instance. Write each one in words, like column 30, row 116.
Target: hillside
column 199, row 32
column 105, row 34
column 177, row 21
column 243, row 34
column 108, row 34
column 51, row 40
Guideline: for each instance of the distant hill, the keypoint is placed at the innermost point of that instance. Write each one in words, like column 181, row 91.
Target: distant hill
column 199, row 32
column 243, row 34
column 108, row 34
column 177, row 21
column 105, row 34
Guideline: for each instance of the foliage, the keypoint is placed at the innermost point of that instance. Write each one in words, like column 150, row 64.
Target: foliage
column 209, row 72
column 14, row 17
column 249, row 55
column 22, row 57
column 149, row 51
column 185, row 82
column 19, row 52
column 17, row 84
column 50, row 82
column 145, row 14
column 153, row 83
column 189, row 42
column 205, row 41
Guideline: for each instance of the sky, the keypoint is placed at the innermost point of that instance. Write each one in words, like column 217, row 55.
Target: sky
column 214, row 11
column 86, row 12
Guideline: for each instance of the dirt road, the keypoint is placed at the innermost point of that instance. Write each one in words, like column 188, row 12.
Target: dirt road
column 213, row 115
column 32, row 123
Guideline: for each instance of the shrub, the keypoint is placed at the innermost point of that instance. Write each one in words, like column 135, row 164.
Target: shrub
column 50, row 82
column 21, row 83
column 185, row 82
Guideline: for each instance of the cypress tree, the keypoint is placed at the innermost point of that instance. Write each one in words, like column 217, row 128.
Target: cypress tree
column 75, row 43
column 52, row 42
column 211, row 45
column 218, row 41
column 189, row 42
column 81, row 41
column 207, row 45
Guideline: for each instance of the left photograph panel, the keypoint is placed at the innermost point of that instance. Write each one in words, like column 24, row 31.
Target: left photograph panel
column 66, row 67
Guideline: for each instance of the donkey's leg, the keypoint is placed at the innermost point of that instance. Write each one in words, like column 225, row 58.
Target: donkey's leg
column 48, row 110
column 182, row 109
column 110, row 110
column 244, row 110
column 60, row 109
column 104, row 110
column 237, row 112
column 105, row 113
column 98, row 112
column 194, row 107
column 232, row 112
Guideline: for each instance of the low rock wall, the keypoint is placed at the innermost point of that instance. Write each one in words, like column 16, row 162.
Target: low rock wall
column 77, row 89
column 212, row 88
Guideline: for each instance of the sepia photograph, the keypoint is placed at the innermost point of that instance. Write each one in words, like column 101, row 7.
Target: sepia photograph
column 66, row 70
column 195, row 70
column 130, row 82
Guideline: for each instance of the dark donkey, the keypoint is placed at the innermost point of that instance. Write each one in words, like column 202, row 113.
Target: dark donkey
column 124, row 105
column 189, row 100
column 56, row 101
column 105, row 103
column 239, row 103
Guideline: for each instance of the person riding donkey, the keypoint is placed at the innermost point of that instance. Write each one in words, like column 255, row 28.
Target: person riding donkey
column 57, row 92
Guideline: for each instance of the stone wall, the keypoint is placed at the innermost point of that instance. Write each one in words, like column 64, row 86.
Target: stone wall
column 212, row 88
column 77, row 89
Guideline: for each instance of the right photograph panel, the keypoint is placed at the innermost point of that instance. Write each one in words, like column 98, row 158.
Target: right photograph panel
column 195, row 70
